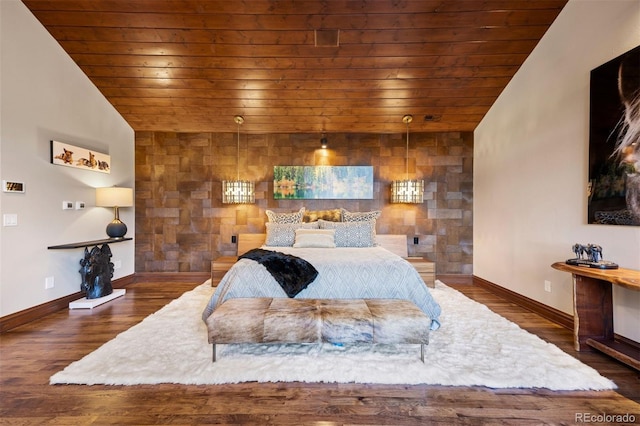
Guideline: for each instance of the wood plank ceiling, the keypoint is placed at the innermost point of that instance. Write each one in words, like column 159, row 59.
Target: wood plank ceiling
column 299, row 66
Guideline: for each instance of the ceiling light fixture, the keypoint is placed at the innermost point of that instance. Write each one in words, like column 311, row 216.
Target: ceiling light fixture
column 326, row 38
column 238, row 191
column 407, row 190
column 432, row 117
column 323, row 142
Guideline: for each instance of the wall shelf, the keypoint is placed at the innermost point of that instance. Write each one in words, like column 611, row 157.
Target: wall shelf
column 88, row 243
column 95, row 269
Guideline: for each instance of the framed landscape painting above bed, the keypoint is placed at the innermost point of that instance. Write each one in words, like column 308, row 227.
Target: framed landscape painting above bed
column 322, row 182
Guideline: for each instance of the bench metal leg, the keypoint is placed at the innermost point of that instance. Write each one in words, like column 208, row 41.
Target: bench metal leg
column 214, row 353
column 422, row 352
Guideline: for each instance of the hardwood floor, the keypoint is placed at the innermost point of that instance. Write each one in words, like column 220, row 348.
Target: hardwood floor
column 30, row 354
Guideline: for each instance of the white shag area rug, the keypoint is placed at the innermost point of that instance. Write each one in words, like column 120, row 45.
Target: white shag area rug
column 474, row 347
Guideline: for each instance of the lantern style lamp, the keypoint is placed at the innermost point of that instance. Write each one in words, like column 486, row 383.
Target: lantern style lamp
column 238, row 191
column 115, row 197
column 407, row 190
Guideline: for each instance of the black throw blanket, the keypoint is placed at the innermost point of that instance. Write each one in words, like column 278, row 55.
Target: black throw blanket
column 293, row 273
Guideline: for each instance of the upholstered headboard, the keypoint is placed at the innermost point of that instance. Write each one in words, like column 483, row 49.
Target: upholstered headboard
column 394, row 243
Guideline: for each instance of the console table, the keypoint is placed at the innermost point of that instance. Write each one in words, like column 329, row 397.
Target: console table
column 593, row 310
column 102, row 263
column 83, row 244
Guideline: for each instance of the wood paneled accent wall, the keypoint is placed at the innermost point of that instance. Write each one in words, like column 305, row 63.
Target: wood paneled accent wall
column 181, row 223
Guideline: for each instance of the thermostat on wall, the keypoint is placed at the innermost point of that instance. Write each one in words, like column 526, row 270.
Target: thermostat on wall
column 8, row 186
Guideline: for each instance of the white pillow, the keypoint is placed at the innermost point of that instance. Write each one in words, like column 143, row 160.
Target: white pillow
column 284, row 234
column 352, row 234
column 315, row 238
column 295, row 217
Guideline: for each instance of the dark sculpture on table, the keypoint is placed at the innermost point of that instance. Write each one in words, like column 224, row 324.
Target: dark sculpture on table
column 593, row 258
column 96, row 271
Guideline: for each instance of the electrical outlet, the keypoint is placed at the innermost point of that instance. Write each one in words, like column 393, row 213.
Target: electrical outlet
column 117, row 264
column 415, row 240
column 547, row 286
column 67, row 205
column 233, row 239
column 79, row 205
column 48, row 283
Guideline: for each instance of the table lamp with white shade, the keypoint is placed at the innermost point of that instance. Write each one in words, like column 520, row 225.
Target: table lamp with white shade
column 115, row 197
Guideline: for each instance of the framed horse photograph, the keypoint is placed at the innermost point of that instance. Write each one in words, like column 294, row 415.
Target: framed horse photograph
column 614, row 142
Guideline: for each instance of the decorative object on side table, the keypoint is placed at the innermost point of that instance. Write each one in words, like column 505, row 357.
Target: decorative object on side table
column 115, row 197
column 590, row 256
column 96, row 271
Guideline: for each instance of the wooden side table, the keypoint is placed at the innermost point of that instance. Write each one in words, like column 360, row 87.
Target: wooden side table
column 426, row 270
column 219, row 267
column 593, row 310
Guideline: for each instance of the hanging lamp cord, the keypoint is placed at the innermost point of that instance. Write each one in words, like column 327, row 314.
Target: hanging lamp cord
column 238, row 155
column 406, row 159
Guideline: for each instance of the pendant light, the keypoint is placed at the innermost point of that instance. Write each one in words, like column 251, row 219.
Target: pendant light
column 238, row 191
column 407, row 190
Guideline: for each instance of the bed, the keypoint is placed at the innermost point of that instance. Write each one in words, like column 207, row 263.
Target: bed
column 344, row 272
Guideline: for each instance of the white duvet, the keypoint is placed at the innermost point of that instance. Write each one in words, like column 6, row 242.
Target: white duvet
column 343, row 273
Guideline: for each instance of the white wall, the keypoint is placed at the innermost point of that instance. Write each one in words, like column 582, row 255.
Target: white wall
column 45, row 96
column 531, row 164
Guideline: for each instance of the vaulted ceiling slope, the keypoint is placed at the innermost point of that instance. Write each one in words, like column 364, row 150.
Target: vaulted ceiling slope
column 299, row 66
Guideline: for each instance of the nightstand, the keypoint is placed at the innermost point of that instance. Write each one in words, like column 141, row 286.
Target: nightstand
column 219, row 267
column 426, row 269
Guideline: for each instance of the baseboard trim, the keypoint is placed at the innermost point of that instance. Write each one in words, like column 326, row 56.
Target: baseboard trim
column 627, row 341
column 198, row 277
column 25, row 316
column 561, row 318
column 455, row 278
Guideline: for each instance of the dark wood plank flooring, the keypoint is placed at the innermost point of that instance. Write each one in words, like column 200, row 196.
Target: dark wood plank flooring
column 30, row 354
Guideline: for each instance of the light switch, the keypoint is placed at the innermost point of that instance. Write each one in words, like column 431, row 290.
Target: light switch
column 10, row 219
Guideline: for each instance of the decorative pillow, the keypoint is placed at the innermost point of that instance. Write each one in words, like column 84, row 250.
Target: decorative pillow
column 333, row 215
column 352, row 234
column 315, row 238
column 284, row 234
column 295, row 217
column 360, row 216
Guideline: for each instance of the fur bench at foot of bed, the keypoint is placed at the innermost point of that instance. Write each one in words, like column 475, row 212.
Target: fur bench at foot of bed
column 338, row 321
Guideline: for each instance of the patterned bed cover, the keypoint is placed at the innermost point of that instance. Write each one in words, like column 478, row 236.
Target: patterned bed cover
column 344, row 273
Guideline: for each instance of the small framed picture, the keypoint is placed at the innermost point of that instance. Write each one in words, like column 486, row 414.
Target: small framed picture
column 13, row 186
